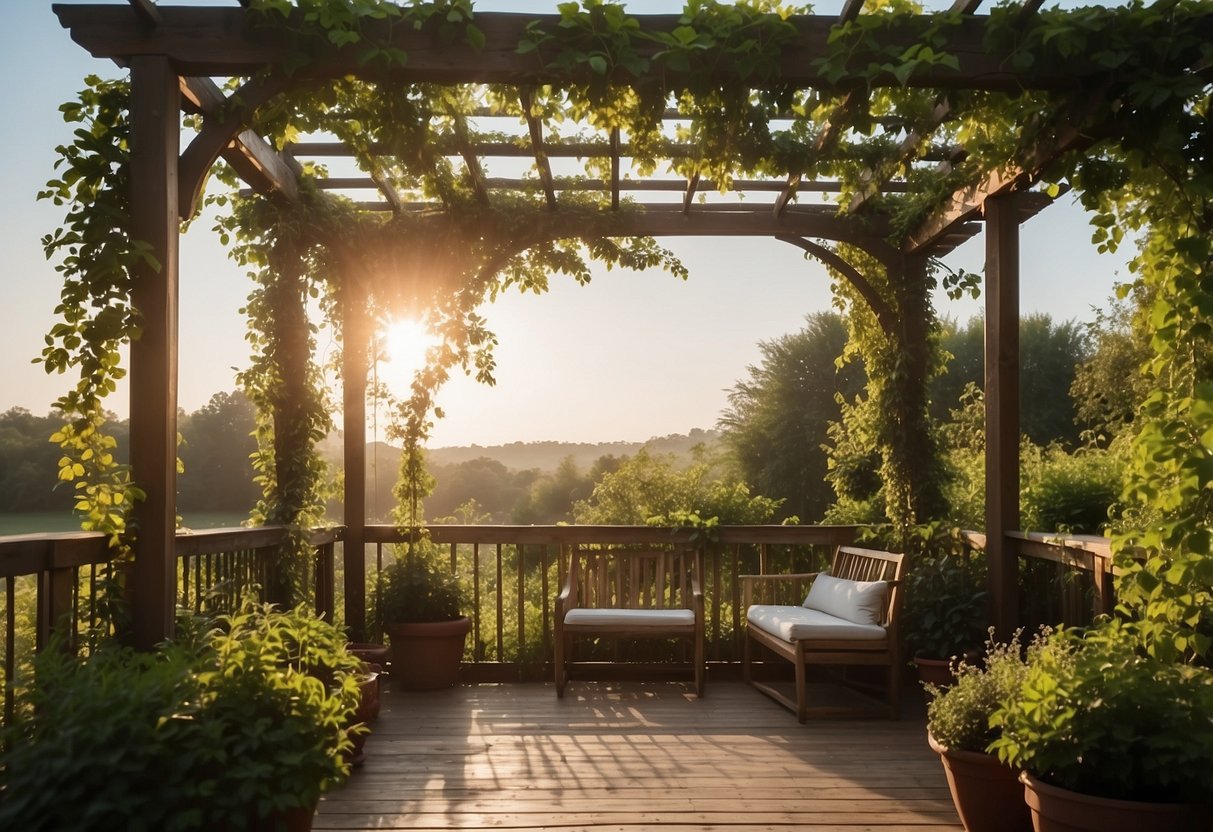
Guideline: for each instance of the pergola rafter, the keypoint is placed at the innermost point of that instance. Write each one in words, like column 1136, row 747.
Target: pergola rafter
column 171, row 50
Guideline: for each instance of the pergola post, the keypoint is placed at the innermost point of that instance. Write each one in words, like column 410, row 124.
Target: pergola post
column 1002, row 406
column 155, row 141
column 356, row 335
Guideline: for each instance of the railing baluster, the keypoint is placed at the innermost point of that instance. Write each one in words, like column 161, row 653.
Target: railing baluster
column 520, row 556
column 545, row 604
column 500, row 611
column 478, row 649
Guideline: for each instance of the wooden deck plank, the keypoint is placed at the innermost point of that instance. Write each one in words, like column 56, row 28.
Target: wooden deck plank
column 626, row 757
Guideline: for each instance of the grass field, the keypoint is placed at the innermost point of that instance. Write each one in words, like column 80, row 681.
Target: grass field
column 46, row 521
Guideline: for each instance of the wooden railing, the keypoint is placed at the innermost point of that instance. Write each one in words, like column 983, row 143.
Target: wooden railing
column 1063, row 579
column 54, row 585
column 513, row 573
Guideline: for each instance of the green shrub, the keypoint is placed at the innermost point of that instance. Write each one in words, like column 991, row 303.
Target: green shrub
column 223, row 729
column 418, row 587
column 958, row 717
column 1072, row 492
column 1095, row 715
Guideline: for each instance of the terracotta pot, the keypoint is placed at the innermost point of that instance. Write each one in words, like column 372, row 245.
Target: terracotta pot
column 368, row 711
column 987, row 794
column 936, row 672
column 369, row 653
column 427, row 655
column 1060, row 810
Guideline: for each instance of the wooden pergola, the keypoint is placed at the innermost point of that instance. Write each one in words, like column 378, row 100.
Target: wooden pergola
column 173, row 53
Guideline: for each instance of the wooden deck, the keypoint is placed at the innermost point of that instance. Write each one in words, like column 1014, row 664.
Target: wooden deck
column 628, row 757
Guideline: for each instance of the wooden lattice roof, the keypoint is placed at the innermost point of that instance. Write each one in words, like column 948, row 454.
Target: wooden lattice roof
column 207, row 43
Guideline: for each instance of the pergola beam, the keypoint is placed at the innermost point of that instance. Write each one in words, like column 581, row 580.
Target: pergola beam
column 831, row 186
column 553, row 149
column 535, row 127
column 147, row 11
column 263, row 168
column 220, row 42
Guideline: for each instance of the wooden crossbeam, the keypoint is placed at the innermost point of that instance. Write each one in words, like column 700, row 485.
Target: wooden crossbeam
column 965, row 6
column 552, row 149
column 850, row 10
column 385, row 186
column 1067, row 134
column 221, row 42
column 825, row 141
column 470, row 159
column 337, row 183
column 258, row 164
column 614, row 168
column 541, row 157
column 691, row 186
column 668, row 220
column 147, row 11
column 874, row 181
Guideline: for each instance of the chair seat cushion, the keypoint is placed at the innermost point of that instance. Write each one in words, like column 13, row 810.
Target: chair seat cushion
column 657, row 619
column 796, row 623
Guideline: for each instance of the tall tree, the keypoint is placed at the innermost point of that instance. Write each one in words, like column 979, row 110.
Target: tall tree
column 1049, row 354
column 216, row 449
column 778, row 418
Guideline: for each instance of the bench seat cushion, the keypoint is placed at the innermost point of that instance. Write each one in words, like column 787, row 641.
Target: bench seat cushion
column 795, row 623
column 657, row 619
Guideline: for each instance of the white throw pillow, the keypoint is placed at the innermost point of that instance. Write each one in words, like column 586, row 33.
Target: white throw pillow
column 860, row 602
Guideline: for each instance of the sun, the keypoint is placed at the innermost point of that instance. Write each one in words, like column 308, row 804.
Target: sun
column 405, row 343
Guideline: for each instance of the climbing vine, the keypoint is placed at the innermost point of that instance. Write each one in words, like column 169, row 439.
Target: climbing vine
column 95, row 255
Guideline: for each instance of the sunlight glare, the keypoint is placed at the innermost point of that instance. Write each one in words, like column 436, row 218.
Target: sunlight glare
column 405, row 342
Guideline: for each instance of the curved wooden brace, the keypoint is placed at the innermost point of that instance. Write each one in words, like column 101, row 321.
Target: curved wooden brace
column 884, row 313
column 217, row 132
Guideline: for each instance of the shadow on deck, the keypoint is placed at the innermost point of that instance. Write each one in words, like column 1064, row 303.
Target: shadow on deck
column 626, row 757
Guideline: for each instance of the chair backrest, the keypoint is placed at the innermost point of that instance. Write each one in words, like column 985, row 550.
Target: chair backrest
column 632, row 578
column 854, row 564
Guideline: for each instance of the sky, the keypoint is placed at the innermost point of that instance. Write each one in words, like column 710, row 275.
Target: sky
column 628, row 357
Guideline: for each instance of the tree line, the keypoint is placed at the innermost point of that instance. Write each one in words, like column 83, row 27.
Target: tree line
column 780, row 438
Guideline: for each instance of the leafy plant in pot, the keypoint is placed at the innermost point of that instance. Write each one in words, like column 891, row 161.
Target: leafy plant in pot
column 987, row 793
column 945, row 610
column 1109, row 738
column 225, row 729
column 419, row 605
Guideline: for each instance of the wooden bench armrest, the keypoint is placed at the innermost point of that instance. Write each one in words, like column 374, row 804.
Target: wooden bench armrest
column 748, row 582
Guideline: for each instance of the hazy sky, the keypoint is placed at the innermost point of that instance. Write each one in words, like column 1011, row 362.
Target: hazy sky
column 628, row 357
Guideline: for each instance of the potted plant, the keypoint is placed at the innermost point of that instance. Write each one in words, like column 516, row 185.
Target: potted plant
column 419, row 604
column 986, row 792
column 944, row 613
column 1110, row 738
column 227, row 729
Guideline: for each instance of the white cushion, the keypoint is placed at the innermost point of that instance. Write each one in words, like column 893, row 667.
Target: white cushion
column 630, row 618
column 860, row 602
column 794, row 623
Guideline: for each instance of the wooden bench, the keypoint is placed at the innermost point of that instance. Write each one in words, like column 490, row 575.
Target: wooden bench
column 849, row 617
column 629, row 593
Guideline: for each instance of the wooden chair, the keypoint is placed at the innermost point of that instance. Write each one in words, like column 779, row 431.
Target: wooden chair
column 628, row 593
column 849, row 619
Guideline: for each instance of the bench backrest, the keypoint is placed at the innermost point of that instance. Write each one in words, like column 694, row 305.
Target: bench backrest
column 632, row 578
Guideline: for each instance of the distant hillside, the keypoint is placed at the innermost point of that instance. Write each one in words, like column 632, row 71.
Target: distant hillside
column 524, row 456
column 546, row 456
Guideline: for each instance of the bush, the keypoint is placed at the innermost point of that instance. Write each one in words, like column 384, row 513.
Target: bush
column 959, row 717
column 418, row 587
column 1094, row 715
column 224, row 729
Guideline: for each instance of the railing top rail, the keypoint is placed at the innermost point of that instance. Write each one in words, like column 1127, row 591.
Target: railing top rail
column 560, row 535
column 30, row 554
